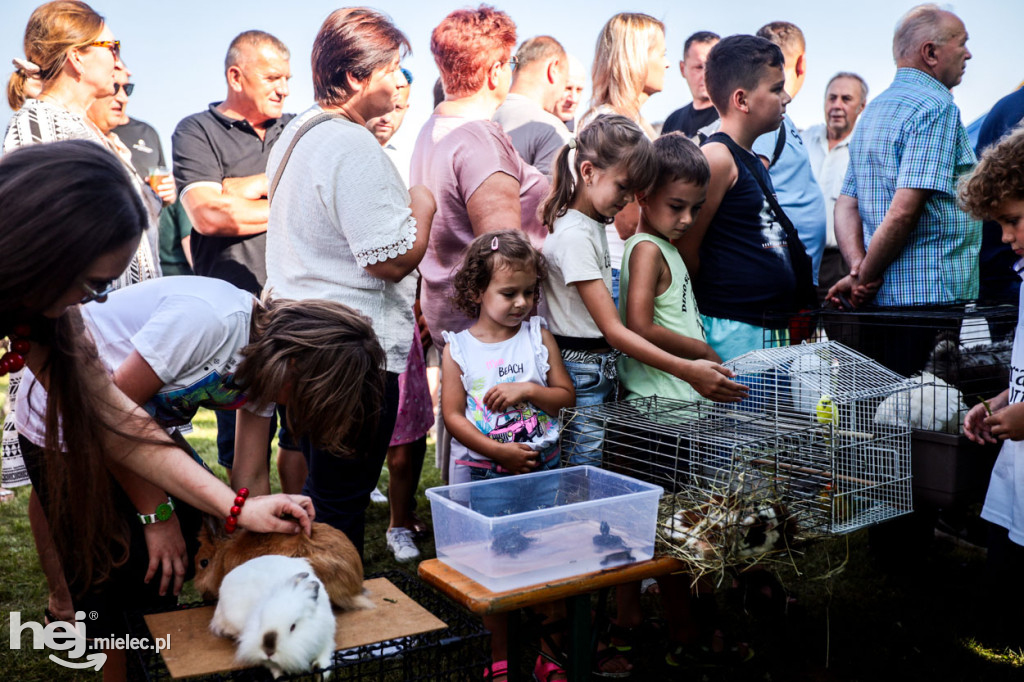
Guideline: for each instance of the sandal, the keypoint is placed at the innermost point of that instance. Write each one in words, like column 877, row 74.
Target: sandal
column 624, row 652
column 6, row 495
column 495, row 670
column 546, row 671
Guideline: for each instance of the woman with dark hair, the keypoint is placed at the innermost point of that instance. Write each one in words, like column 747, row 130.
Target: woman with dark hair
column 343, row 227
column 69, row 212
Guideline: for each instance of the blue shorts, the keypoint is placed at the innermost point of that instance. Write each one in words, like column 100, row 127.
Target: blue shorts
column 593, row 377
column 731, row 338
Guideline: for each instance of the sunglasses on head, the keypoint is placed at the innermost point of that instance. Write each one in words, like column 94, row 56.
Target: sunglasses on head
column 128, row 88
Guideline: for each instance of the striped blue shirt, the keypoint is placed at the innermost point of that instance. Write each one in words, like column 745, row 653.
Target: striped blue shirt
column 911, row 137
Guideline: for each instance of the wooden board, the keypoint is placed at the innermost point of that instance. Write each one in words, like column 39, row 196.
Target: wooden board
column 195, row 650
column 482, row 601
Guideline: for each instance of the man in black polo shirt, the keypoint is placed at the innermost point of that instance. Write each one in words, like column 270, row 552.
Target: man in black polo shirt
column 700, row 112
column 220, row 160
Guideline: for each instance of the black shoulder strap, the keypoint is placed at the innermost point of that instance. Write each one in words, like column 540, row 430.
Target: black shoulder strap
column 802, row 265
column 315, row 121
column 780, row 144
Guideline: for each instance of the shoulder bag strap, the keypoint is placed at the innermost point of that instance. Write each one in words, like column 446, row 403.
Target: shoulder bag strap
column 305, row 128
column 802, row 264
column 780, row 144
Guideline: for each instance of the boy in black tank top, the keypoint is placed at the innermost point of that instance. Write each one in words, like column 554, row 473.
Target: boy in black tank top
column 736, row 250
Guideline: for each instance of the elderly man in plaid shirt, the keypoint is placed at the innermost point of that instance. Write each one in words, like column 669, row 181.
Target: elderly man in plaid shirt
column 897, row 220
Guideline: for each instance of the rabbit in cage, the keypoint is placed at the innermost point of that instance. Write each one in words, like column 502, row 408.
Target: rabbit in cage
column 935, row 404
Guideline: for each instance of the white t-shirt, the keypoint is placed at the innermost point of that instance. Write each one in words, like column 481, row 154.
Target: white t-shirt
column 189, row 329
column 829, row 168
column 577, row 251
column 522, row 358
column 342, row 205
column 1004, row 503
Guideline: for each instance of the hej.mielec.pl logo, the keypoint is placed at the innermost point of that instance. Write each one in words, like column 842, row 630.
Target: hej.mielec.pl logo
column 70, row 638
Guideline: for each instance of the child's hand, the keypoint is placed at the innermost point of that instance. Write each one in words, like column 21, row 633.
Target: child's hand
column 975, row 427
column 1007, row 423
column 167, row 554
column 712, row 381
column 503, row 396
column 519, row 458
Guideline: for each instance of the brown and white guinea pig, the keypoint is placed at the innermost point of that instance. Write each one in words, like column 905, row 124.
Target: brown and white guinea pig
column 331, row 554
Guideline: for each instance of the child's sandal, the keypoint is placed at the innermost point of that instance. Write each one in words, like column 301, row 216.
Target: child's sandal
column 497, row 669
column 547, row 671
column 624, row 651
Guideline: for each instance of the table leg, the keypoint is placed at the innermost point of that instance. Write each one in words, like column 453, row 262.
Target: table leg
column 515, row 647
column 579, row 637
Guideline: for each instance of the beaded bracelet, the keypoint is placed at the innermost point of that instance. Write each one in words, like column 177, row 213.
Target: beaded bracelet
column 231, row 522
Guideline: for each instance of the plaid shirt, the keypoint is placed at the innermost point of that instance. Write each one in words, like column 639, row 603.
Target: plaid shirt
column 911, row 136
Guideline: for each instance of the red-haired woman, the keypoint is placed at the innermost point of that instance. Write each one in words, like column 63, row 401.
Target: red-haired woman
column 478, row 180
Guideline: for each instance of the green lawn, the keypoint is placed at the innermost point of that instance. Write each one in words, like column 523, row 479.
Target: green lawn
column 863, row 622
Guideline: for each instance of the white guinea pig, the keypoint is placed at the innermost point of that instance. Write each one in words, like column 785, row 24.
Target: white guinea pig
column 280, row 613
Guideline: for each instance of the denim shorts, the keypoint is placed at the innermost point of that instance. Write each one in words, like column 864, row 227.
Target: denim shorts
column 593, row 377
column 526, row 494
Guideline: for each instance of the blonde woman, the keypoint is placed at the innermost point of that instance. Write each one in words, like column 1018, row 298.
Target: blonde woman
column 629, row 67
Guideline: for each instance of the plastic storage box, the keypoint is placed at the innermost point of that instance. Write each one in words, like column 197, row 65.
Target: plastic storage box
column 524, row 530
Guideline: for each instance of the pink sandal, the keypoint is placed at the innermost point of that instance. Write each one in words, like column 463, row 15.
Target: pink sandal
column 496, row 669
column 545, row 671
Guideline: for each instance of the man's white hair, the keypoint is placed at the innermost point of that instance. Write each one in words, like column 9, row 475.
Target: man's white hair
column 922, row 24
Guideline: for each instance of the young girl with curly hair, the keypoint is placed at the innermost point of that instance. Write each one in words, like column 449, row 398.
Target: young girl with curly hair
column 503, row 384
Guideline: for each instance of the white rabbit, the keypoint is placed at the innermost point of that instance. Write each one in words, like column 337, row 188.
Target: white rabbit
column 280, row 613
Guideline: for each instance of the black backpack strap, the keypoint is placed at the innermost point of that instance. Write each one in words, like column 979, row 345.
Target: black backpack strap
column 305, row 128
column 780, row 144
column 803, row 267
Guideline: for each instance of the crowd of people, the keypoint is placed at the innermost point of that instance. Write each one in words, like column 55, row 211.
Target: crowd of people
column 539, row 252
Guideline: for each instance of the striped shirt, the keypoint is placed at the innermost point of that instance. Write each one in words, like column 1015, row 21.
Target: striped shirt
column 911, row 137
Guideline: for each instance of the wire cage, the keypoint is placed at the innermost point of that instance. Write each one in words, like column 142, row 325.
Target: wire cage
column 801, row 458
column 455, row 653
column 956, row 356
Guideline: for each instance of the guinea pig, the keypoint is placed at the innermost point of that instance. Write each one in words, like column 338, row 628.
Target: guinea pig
column 278, row 611
column 330, row 553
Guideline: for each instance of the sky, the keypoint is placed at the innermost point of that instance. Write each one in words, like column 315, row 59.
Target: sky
column 175, row 49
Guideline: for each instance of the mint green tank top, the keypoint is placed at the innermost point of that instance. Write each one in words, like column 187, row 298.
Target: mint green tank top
column 675, row 309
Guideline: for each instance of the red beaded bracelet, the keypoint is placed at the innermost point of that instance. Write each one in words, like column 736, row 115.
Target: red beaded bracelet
column 231, row 522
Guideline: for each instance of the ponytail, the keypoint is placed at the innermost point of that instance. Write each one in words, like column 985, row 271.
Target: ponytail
column 609, row 140
column 563, row 189
column 16, row 89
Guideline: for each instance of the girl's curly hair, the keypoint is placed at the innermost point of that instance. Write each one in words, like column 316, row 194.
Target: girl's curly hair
column 998, row 177
column 505, row 248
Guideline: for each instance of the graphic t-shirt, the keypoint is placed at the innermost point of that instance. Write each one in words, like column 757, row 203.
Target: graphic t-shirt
column 522, row 358
column 188, row 329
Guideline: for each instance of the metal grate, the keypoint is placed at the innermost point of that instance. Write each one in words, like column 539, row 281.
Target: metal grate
column 458, row 652
column 811, row 452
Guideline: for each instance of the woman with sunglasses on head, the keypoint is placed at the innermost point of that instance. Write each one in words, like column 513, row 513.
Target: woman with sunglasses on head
column 69, row 212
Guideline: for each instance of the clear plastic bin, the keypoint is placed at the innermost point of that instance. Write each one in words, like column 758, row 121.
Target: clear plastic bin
column 524, row 530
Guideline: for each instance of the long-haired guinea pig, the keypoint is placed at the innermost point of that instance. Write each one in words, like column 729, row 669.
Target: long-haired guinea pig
column 330, row 553
column 278, row 610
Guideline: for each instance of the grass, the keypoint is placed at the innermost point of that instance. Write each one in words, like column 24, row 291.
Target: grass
column 921, row 618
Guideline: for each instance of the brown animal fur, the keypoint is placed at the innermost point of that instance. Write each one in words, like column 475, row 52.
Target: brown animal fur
column 330, row 552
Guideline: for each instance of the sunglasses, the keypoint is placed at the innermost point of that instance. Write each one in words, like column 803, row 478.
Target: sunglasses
column 513, row 62
column 128, row 88
column 408, row 75
column 98, row 294
column 113, row 45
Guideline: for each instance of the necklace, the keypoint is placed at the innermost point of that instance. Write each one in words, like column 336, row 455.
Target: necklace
column 14, row 359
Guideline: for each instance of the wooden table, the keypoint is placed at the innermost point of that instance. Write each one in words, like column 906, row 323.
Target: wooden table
column 575, row 590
